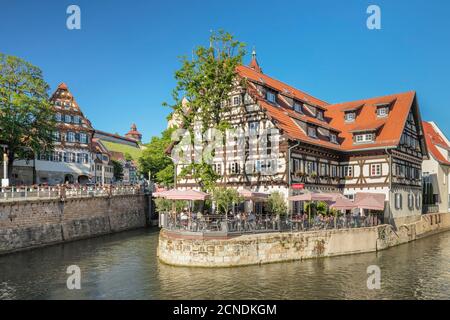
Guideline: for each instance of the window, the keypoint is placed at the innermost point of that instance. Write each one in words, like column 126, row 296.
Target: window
column 67, row 105
column 333, row 138
column 71, row 136
column 367, row 137
column 76, row 119
column 298, row 107
column 83, row 138
column 265, row 165
column 323, row 170
column 79, row 157
column 348, row 171
column 236, row 100
column 410, row 201
column 375, row 170
column 67, row 118
column 253, row 127
column 382, row 111
column 271, row 97
column 58, row 103
column 56, row 136
column 334, row 172
column 350, row 116
column 85, row 158
column 234, row 167
column 311, row 167
column 398, row 201
column 217, row 167
column 319, row 114
column 312, row 132
column 58, row 117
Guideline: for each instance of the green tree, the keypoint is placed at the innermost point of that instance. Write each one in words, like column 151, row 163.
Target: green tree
column 117, row 170
column 225, row 197
column 26, row 117
column 206, row 82
column 276, row 203
column 155, row 160
column 128, row 156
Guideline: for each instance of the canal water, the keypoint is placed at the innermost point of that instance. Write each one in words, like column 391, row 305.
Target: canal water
column 125, row 266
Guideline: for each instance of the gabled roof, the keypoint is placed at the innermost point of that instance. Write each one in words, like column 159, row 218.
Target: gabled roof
column 389, row 129
column 434, row 138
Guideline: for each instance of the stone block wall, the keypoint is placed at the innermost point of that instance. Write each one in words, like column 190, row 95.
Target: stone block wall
column 28, row 224
column 176, row 249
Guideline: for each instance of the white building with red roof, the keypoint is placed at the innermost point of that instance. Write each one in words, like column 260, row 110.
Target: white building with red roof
column 370, row 145
column 436, row 169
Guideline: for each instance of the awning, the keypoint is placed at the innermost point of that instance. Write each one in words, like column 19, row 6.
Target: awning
column 370, row 201
column 343, row 203
column 175, row 194
column 311, row 196
column 253, row 195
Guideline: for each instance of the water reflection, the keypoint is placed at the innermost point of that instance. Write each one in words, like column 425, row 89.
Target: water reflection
column 124, row 266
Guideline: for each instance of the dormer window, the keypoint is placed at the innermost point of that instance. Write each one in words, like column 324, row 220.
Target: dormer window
column 319, row 114
column 350, row 116
column 298, row 107
column 364, row 137
column 333, row 138
column 271, row 96
column 383, row 111
column 312, row 132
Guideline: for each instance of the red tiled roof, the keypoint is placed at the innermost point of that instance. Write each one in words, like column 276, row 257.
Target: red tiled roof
column 433, row 139
column 389, row 129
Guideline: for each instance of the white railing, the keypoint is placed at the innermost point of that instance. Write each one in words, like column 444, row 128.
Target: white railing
column 64, row 191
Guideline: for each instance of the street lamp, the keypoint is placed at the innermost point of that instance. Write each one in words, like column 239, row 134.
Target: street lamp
column 5, row 180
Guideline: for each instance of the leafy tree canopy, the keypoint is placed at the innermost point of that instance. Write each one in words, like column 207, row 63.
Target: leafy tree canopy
column 276, row 203
column 206, row 81
column 225, row 197
column 26, row 117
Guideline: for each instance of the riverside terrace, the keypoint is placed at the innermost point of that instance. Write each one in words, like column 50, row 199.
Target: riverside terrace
column 336, row 212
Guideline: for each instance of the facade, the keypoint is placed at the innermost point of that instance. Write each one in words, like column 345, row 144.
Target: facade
column 102, row 170
column 124, row 149
column 371, row 145
column 436, row 170
column 70, row 162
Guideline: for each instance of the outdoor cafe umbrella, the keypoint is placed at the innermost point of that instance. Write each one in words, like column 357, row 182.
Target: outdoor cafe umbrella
column 370, row 201
column 175, row 194
column 343, row 204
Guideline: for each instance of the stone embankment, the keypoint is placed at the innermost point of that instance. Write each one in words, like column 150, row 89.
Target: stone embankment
column 28, row 224
column 180, row 250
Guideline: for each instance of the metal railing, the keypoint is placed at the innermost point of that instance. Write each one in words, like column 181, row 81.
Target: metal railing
column 64, row 191
column 263, row 223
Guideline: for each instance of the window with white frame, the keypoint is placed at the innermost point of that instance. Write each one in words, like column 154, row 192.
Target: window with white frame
column 83, row 138
column 217, row 167
column 67, row 118
column 271, row 97
column 312, row 132
column 311, row 167
column 58, row 117
column 334, row 172
column 350, row 116
column 348, row 171
column 70, row 136
column 236, row 100
column 382, row 111
column 366, row 137
column 234, row 167
column 375, row 169
column 56, row 136
column 85, row 158
column 398, row 201
column 76, row 119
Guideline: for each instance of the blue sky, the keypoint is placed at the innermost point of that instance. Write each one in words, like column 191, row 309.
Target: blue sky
column 120, row 65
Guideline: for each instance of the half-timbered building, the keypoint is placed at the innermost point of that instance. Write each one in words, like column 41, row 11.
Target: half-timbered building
column 370, row 145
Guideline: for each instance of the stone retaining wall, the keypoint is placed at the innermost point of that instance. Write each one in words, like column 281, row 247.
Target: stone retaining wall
column 276, row 247
column 29, row 224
